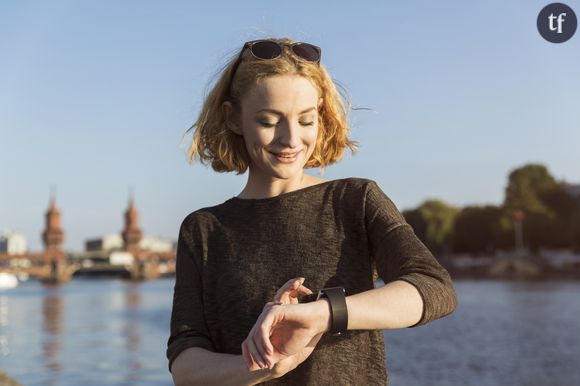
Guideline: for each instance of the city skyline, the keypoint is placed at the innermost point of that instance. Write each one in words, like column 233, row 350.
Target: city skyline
column 53, row 205
column 574, row 186
column 95, row 98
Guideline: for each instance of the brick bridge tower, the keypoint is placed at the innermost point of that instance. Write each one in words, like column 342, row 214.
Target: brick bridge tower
column 53, row 238
column 132, row 235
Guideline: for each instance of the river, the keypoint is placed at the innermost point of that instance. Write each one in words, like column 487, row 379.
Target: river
column 114, row 332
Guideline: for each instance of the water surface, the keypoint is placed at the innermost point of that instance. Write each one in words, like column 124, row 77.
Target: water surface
column 114, row 332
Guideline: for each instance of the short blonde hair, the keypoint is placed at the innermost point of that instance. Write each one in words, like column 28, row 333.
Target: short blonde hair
column 213, row 142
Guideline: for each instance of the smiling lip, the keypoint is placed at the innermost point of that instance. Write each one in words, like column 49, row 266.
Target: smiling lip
column 286, row 154
column 287, row 159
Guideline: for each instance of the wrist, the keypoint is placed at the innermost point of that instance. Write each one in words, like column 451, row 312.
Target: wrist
column 324, row 315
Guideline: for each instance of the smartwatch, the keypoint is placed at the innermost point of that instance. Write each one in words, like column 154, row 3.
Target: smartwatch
column 339, row 313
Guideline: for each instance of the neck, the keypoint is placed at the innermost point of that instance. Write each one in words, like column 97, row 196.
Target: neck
column 260, row 187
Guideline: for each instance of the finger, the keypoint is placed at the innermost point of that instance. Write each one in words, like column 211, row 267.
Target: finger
column 248, row 359
column 266, row 329
column 292, row 296
column 256, row 354
column 261, row 339
column 246, row 355
column 249, row 343
column 302, row 290
column 255, row 366
column 290, row 285
column 261, row 332
column 257, row 345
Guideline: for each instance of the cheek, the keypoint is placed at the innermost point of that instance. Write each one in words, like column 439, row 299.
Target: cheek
column 312, row 135
column 260, row 139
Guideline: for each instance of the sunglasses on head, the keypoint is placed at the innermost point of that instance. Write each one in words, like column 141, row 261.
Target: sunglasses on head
column 265, row 49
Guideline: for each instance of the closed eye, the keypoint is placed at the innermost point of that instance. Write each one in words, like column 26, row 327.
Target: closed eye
column 266, row 124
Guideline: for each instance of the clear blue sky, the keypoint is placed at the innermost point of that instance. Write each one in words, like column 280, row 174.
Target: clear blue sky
column 95, row 95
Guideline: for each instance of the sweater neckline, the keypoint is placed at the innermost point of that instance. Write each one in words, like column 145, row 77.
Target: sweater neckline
column 287, row 194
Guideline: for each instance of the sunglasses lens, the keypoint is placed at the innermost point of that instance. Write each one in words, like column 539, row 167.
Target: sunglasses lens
column 307, row 52
column 266, row 50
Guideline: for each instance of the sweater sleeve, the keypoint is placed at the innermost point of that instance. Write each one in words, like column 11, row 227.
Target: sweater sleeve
column 400, row 255
column 188, row 328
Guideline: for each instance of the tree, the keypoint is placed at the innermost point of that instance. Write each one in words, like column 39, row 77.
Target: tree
column 525, row 187
column 478, row 229
column 533, row 190
column 433, row 222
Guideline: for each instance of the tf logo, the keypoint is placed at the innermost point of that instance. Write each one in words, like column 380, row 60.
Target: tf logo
column 557, row 22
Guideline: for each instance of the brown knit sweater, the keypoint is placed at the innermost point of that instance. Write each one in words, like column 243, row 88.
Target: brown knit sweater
column 233, row 257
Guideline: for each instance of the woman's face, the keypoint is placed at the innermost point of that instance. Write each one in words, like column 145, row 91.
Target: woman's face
column 279, row 115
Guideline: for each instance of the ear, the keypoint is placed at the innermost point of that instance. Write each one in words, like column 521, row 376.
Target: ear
column 231, row 118
column 320, row 102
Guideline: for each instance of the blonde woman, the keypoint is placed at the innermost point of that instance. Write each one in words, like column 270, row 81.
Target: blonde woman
column 244, row 310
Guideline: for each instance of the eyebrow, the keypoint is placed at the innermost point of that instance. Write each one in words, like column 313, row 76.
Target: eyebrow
column 280, row 113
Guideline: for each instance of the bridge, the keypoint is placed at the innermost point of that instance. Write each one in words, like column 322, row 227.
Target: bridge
column 53, row 267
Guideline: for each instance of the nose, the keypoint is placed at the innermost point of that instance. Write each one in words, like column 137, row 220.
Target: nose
column 289, row 134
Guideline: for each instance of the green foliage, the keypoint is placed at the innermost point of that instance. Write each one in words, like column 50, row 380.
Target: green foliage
column 548, row 207
column 545, row 230
column 551, row 217
column 433, row 223
column 525, row 187
column 478, row 229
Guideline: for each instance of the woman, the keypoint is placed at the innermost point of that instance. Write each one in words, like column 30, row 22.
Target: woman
column 237, row 318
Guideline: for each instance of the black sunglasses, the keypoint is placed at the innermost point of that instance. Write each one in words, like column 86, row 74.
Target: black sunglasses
column 268, row 49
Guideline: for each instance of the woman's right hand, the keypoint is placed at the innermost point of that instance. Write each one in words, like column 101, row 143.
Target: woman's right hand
column 288, row 364
column 287, row 294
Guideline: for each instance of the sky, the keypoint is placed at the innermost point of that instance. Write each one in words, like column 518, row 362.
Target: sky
column 95, row 97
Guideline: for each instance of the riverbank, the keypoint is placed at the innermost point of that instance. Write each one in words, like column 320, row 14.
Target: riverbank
column 527, row 267
column 5, row 380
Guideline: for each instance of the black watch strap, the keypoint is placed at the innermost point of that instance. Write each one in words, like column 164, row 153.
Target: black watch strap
column 337, row 298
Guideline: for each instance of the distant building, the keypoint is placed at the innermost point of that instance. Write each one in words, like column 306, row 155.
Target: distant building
column 114, row 242
column 156, row 244
column 13, row 243
column 107, row 243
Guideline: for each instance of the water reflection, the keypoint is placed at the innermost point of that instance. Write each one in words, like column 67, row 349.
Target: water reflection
column 4, row 347
column 86, row 332
column 132, row 297
column 52, row 326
